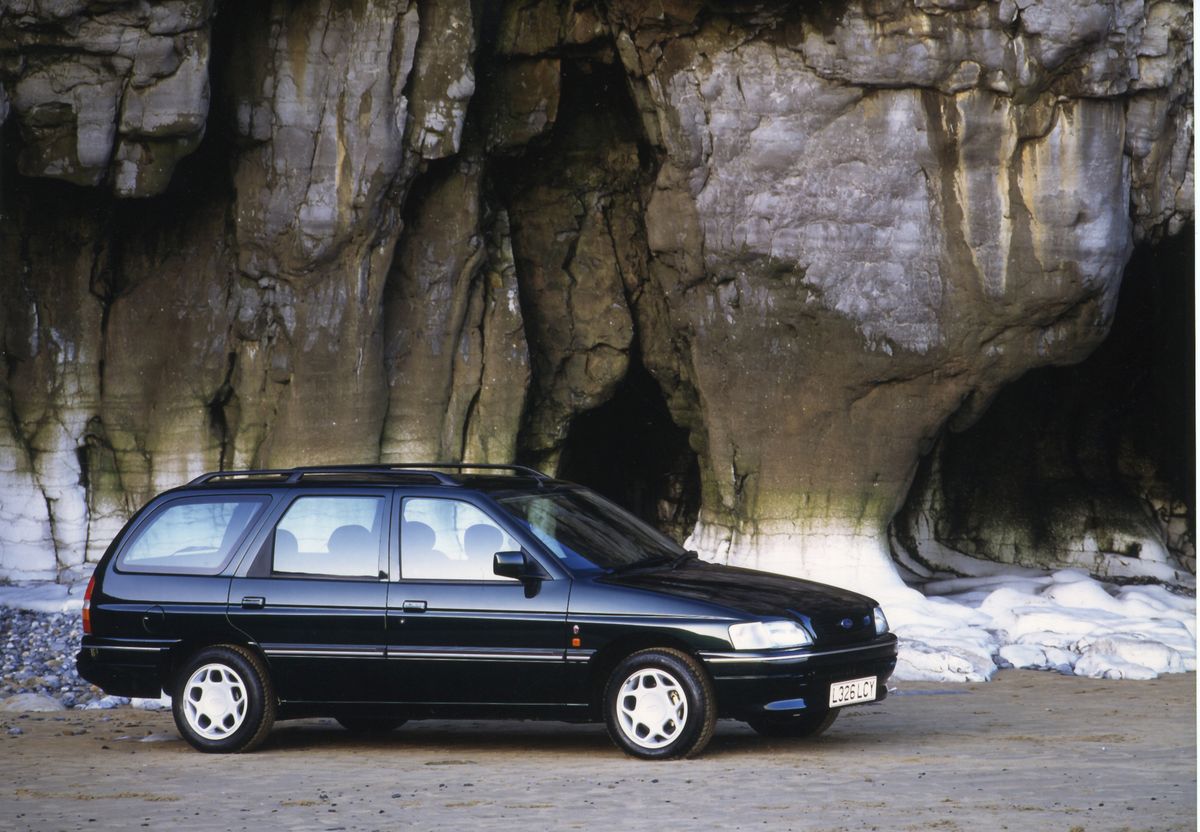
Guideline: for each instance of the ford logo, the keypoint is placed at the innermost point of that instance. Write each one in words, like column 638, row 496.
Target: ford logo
column 847, row 623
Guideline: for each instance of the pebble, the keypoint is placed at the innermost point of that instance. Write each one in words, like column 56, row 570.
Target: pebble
column 37, row 656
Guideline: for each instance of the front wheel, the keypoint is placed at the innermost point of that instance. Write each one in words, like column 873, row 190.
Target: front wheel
column 659, row 705
column 223, row 700
column 808, row 724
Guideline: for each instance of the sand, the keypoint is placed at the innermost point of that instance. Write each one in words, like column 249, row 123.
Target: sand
column 1026, row 751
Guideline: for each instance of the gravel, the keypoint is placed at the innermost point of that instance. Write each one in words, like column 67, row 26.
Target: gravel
column 38, row 656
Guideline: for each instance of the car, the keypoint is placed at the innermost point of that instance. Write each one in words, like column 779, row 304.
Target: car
column 376, row 594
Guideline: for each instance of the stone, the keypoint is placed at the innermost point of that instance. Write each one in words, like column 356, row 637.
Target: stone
column 523, row 102
column 30, row 702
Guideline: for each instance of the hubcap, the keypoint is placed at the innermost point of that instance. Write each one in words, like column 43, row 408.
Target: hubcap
column 652, row 708
column 214, row 701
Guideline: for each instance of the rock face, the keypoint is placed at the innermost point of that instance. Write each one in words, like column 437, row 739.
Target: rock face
column 106, row 93
column 1068, row 467
column 327, row 231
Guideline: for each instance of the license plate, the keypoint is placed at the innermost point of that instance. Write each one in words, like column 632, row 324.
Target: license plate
column 852, row 692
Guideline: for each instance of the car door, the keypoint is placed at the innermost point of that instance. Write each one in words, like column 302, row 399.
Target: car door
column 314, row 597
column 457, row 632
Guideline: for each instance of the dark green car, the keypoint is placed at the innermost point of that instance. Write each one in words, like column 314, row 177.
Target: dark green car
column 378, row 594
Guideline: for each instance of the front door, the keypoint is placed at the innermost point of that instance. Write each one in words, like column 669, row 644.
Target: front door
column 315, row 598
column 457, row 632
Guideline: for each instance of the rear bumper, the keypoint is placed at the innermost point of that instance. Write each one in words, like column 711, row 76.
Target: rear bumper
column 125, row 667
column 750, row 684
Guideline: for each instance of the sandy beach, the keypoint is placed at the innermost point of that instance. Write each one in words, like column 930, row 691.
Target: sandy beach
column 1026, row 751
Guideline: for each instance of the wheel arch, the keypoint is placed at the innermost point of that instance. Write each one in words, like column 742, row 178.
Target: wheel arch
column 602, row 664
column 182, row 652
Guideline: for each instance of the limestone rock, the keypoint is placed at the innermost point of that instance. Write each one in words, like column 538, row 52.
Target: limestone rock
column 107, row 93
column 827, row 235
column 458, row 363
column 872, row 259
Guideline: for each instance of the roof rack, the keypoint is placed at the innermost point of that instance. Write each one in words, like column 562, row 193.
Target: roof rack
column 249, row 474
column 483, row 466
column 292, row 475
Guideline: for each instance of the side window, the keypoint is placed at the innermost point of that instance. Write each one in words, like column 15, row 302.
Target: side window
column 337, row 536
column 450, row 540
column 192, row 535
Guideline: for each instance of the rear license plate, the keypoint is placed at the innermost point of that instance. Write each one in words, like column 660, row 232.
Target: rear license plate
column 852, row 692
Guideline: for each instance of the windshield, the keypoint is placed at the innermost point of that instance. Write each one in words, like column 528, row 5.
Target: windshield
column 585, row 531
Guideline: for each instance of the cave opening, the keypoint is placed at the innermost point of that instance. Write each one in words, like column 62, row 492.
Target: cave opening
column 1103, row 451
column 630, row 450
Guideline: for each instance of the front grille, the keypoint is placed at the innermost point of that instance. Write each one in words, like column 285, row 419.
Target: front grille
column 829, row 629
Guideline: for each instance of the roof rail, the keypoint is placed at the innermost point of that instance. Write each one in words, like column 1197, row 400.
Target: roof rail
column 293, row 475
column 220, row 475
column 370, row 468
column 483, row 466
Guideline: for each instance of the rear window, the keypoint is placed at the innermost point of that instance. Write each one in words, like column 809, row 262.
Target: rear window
column 196, row 535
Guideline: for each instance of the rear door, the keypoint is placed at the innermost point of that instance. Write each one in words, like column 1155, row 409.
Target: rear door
column 458, row 633
column 315, row 596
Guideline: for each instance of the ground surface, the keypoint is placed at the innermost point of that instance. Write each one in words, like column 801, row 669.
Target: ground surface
column 1028, row 751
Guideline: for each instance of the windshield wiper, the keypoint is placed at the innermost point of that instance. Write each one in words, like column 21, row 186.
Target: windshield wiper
column 672, row 561
column 680, row 560
column 648, row 563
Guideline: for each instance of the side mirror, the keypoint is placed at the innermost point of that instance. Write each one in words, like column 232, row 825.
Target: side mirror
column 510, row 565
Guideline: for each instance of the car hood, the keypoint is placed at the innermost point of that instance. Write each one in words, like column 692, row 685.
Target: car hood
column 746, row 590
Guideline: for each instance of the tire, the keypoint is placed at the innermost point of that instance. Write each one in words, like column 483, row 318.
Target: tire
column 677, row 716
column 239, row 709
column 367, row 725
column 803, row 725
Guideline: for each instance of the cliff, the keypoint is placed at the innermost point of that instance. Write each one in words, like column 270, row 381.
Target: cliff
column 772, row 257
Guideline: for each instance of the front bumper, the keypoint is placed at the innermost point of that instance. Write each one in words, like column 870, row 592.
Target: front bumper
column 752, row 683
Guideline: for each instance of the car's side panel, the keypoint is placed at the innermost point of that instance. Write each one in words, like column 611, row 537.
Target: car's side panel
column 483, row 644
column 141, row 620
column 323, row 638
column 488, row 643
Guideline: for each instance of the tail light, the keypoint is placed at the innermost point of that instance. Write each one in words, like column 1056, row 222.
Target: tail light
column 87, row 606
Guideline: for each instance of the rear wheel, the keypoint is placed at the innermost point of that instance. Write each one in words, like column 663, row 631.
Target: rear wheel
column 223, row 700
column 806, row 724
column 369, row 725
column 659, row 705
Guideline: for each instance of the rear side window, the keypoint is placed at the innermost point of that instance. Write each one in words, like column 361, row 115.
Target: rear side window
column 338, row 536
column 196, row 535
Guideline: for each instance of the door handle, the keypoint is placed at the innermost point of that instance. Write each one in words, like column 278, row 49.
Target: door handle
column 253, row 602
column 413, row 606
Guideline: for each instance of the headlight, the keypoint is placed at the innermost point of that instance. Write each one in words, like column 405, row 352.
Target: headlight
column 766, row 635
column 881, row 625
